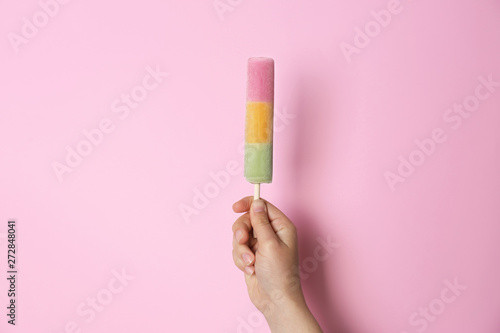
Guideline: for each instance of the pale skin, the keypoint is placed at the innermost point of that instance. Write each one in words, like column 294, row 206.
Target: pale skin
column 270, row 263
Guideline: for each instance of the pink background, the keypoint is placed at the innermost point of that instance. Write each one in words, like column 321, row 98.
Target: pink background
column 342, row 125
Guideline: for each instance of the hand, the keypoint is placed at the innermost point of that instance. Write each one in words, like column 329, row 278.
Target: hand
column 270, row 263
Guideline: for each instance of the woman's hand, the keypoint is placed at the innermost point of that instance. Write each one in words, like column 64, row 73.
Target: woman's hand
column 270, row 263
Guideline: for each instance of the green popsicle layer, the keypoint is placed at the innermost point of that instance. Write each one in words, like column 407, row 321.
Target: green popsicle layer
column 259, row 162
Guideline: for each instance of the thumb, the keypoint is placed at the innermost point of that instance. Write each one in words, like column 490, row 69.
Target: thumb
column 260, row 221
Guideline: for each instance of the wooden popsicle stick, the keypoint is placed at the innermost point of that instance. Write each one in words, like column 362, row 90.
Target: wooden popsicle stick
column 256, row 196
column 256, row 192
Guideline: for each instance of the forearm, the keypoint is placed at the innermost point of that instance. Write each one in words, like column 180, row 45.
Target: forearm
column 292, row 317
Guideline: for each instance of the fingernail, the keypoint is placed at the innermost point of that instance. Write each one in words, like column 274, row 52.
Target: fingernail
column 246, row 258
column 238, row 235
column 258, row 206
column 249, row 270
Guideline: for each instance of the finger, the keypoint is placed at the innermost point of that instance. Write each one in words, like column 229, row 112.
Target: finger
column 254, row 245
column 244, row 204
column 250, row 279
column 249, row 270
column 238, row 262
column 241, row 261
column 260, row 222
column 252, row 242
column 242, row 228
column 245, row 254
column 281, row 224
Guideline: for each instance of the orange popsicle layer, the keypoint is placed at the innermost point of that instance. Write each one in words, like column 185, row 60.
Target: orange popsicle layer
column 259, row 122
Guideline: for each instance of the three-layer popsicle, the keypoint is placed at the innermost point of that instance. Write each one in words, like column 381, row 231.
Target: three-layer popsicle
column 259, row 121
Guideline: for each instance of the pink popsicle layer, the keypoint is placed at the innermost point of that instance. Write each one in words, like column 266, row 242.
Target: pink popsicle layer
column 260, row 85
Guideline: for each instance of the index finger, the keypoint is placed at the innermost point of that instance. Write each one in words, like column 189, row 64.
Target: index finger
column 243, row 205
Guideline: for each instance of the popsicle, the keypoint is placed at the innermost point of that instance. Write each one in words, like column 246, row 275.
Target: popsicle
column 259, row 122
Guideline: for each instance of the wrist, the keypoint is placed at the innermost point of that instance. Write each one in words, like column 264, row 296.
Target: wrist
column 291, row 314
